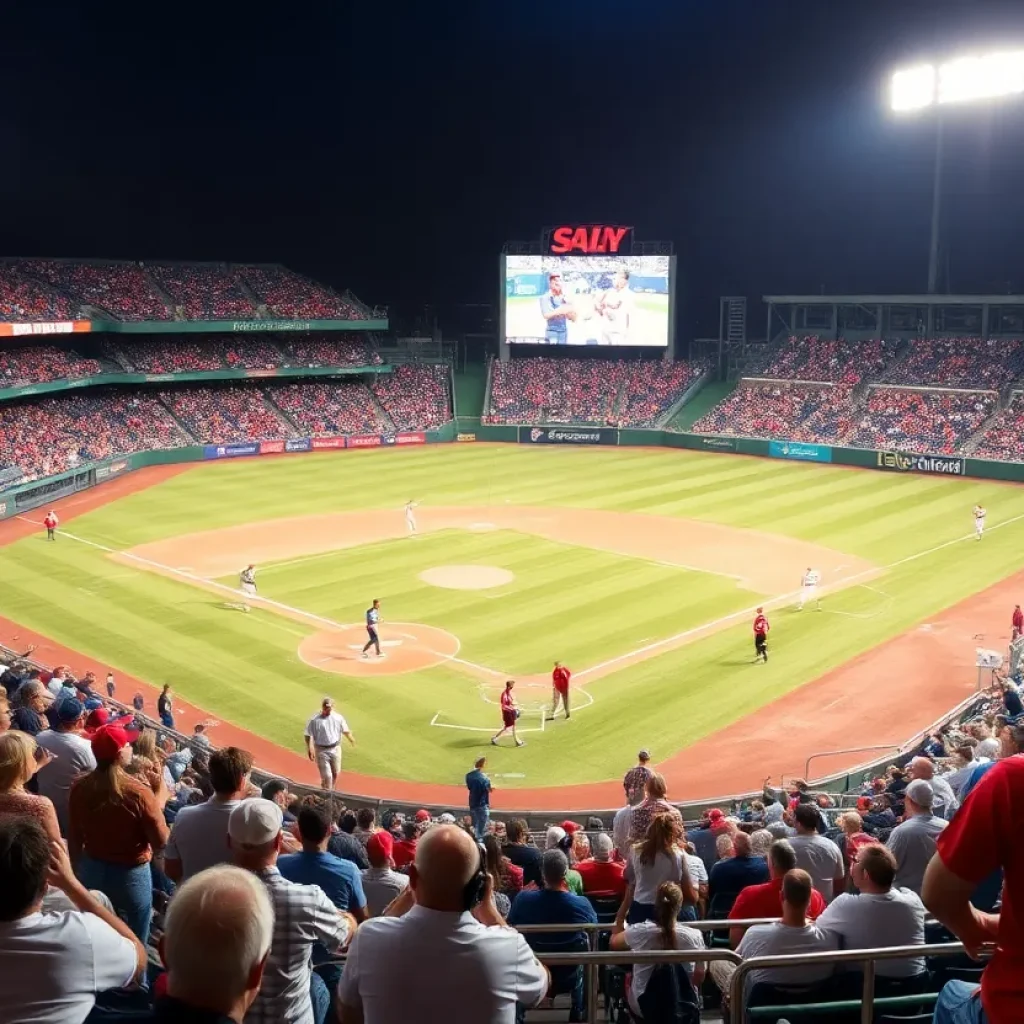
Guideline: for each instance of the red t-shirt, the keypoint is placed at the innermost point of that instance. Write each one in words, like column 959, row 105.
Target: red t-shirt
column 403, row 852
column 1018, row 619
column 761, row 624
column 49, row 522
column 507, row 702
column 984, row 835
column 560, row 677
column 765, row 900
column 601, row 876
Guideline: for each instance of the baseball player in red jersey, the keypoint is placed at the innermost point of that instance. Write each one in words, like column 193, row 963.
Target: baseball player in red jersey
column 51, row 522
column 509, row 715
column 761, row 628
column 560, row 689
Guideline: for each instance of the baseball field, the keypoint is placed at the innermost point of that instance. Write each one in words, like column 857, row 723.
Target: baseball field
column 639, row 569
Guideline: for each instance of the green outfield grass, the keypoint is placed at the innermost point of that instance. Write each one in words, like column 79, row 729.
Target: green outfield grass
column 569, row 602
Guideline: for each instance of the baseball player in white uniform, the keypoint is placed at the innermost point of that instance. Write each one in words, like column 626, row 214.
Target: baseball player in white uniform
column 979, row 521
column 410, row 516
column 247, row 583
column 809, row 588
column 617, row 306
column 323, row 742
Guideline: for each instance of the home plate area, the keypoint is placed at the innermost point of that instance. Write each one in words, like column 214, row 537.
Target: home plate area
column 405, row 646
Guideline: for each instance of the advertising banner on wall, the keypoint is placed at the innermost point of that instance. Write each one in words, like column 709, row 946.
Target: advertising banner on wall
column 112, row 469
column 799, row 451
column 62, row 327
column 364, row 441
column 904, row 462
column 416, row 437
column 718, row 444
column 317, row 444
column 271, row 447
column 298, row 444
column 568, row 435
column 465, row 437
column 230, row 451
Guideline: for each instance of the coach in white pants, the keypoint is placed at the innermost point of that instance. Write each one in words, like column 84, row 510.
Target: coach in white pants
column 323, row 742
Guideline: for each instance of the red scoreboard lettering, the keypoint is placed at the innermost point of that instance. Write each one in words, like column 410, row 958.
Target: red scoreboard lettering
column 596, row 239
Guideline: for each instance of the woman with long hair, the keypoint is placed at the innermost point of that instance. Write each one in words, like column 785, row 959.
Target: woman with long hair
column 116, row 825
column 508, row 879
column 663, row 931
column 658, row 858
column 18, row 763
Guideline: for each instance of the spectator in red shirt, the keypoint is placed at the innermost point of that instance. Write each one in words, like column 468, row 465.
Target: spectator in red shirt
column 983, row 835
column 765, row 900
column 601, row 875
column 1018, row 621
column 404, row 850
column 560, row 689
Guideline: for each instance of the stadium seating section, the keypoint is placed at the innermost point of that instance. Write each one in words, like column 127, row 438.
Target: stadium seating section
column 602, row 391
column 39, row 364
column 55, row 290
column 320, row 409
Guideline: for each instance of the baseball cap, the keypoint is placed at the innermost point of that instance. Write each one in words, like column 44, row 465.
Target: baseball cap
column 423, row 815
column 100, row 717
column 447, row 819
column 379, row 846
column 863, row 803
column 715, row 814
column 68, row 710
column 921, row 792
column 108, row 742
column 255, row 822
column 571, row 827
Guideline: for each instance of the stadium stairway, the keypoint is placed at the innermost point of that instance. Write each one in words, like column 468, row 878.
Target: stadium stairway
column 971, row 444
column 268, row 400
column 184, row 426
column 701, row 404
column 165, row 297
column 385, row 416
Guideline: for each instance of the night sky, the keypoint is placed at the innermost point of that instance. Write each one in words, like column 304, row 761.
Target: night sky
column 393, row 146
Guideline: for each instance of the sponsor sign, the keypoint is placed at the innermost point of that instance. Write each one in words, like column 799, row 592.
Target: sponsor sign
column 271, row 447
column 318, row 443
column 904, row 462
column 568, row 435
column 63, row 327
column 262, row 373
column 596, row 238
column 465, row 437
column 270, row 325
column 799, row 451
column 364, row 441
column 417, row 437
column 298, row 444
column 230, row 451
column 114, row 469
column 155, row 378
column 719, row 444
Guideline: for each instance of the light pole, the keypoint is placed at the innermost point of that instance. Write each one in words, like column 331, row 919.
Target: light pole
column 963, row 80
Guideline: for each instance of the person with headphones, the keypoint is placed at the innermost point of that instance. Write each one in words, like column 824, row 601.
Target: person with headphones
column 445, row 940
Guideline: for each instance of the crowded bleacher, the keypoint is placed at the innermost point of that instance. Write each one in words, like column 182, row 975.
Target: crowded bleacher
column 225, row 414
column 416, row 397
column 204, row 291
column 599, row 391
column 122, row 290
column 177, row 879
column 1003, row 440
column 40, row 364
column 23, row 297
column 327, row 409
column 287, row 295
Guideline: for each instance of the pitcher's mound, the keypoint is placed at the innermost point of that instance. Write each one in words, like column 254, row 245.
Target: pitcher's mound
column 406, row 646
column 467, row 577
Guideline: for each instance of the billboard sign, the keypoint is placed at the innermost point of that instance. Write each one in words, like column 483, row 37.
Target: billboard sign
column 298, row 444
column 905, row 462
column 568, row 435
column 799, row 451
column 599, row 238
column 718, row 444
column 364, row 441
column 271, row 447
column 230, row 451
column 320, row 443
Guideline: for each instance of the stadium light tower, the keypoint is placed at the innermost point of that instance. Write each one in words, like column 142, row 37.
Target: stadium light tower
column 962, row 80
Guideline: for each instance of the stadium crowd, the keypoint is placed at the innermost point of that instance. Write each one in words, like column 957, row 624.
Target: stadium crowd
column 226, row 414
column 288, row 295
column 329, row 350
column 205, row 291
column 142, row 867
column 185, row 353
column 22, row 297
column 1004, row 438
column 39, row 364
column 601, row 391
column 416, row 397
column 828, row 361
column 122, row 290
column 323, row 409
column 959, row 363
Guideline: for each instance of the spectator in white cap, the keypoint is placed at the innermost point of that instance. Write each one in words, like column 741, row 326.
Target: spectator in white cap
column 291, row 993
column 913, row 842
column 215, row 946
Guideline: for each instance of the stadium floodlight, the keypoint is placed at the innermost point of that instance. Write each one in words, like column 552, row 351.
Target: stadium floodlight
column 963, row 80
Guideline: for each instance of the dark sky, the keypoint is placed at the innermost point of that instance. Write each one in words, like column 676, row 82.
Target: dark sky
column 393, row 146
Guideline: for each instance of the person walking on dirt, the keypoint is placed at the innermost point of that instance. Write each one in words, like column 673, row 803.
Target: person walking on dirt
column 761, row 629
column 560, row 689
column 509, row 715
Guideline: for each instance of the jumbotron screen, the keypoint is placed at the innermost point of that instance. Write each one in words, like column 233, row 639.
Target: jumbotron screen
column 587, row 300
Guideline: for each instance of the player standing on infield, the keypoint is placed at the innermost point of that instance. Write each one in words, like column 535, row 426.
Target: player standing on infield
column 979, row 520
column 809, row 588
column 372, row 621
column 761, row 628
column 51, row 522
column 410, row 518
column 509, row 714
column 559, row 689
column 247, row 581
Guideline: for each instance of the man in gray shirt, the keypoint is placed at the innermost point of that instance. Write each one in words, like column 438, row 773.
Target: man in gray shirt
column 944, row 801
column 72, row 756
column 381, row 884
column 913, row 842
column 815, row 854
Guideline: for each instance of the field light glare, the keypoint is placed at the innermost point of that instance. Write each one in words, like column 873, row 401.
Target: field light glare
column 959, row 81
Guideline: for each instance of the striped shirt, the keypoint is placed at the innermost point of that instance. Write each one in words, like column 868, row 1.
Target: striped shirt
column 302, row 915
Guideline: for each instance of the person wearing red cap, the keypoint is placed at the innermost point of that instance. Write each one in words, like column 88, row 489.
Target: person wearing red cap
column 560, row 689
column 115, row 825
column 422, row 816
column 381, row 884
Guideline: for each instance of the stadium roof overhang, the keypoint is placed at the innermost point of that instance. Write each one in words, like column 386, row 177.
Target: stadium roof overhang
column 894, row 300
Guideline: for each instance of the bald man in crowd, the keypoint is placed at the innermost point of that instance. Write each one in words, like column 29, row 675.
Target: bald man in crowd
column 215, row 945
column 451, row 949
column 944, row 801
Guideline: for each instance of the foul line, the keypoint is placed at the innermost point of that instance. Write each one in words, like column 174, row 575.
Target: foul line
column 677, row 638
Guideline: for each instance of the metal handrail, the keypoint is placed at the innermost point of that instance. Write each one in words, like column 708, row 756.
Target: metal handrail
column 843, row 956
column 700, row 926
column 896, row 747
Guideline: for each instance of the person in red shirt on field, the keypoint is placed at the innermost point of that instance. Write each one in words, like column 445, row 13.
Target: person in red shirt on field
column 761, row 628
column 509, row 715
column 560, row 683
column 51, row 522
column 1018, row 621
column 601, row 875
column 983, row 835
column 765, row 899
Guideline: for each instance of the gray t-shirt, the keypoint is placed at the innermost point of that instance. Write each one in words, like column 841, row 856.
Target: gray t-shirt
column 199, row 836
column 74, row 757
column 781, row 940
column 821, row 859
